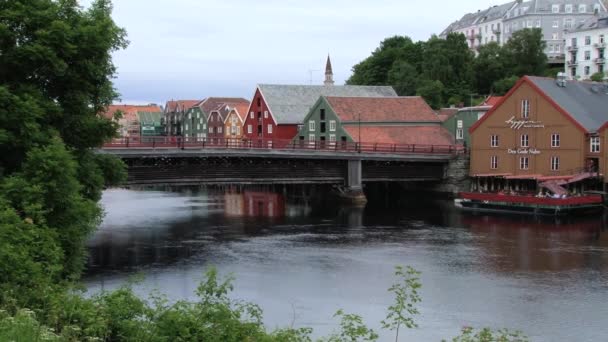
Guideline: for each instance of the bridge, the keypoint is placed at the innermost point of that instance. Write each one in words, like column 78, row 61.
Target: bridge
column 170, row 160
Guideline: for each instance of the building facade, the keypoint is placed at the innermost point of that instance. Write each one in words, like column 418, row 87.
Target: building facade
column 459, row 123
column 586, row 49
column 373, row 120
column 234, row 121
column 174, row 114
column 542, row 129
column 128, row 119
column 197, row 117
column 553, row 17
column 277, row 111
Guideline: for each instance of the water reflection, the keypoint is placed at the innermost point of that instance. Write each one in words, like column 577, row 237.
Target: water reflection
column 294, row 248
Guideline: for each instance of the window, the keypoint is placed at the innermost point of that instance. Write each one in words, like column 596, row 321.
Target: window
column 537, row 22
column 269, row 129
column 494, row 162
column 198, row 126
column 311, row 125
column 525, row 109
column 211, row 129
column 251, row 114
column 220, row 129
column 332, row 125
column 186, row 127
column 596, row 8
column 259, row 101
column 568, row 24
column 322, row 114
column 459, row 134
column 265, row 114
column 494, row 141
column 459, row 124
column 555, row 23
column 557, row 48
column 523, row 163
column 601, row 39
column 595, row 144
column 332, row 138
column 587, row 70
column 587, row 40
column 238, row 130
column 574, row 42
column 249, row 129
column 554, row 140
column 568, row 8
column 582, row 8
column 587, row 55
column 204, row 126
column 311, row 137
column 233, row 130
column 525, row 140
column 554, row 163
column 529, row 23
column 551, row 48
column 555, row 8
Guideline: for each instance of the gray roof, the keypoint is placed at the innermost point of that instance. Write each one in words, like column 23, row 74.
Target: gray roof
column 289, row 104
column 592, row 23
column 586, row 102
column 489, row 14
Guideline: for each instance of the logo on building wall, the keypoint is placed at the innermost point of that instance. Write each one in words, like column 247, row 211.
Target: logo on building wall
column 518, row 124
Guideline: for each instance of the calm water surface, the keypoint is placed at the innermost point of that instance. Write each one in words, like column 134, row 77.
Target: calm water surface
column 302, row 259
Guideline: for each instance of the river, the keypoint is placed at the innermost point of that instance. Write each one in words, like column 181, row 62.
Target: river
column 301, row 257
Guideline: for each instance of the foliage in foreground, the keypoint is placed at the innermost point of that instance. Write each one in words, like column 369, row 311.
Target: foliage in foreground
column 121, row 315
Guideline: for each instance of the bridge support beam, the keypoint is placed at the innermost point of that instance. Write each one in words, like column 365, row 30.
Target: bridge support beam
column 354, row 183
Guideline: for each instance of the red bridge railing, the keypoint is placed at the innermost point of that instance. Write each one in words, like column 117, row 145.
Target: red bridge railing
column 172, row 142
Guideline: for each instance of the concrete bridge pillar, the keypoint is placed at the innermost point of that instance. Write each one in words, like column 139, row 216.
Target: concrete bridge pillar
column 354, row 183
column 354, row 177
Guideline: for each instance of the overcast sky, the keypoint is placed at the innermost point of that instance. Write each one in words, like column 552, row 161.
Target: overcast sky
column 191, row 49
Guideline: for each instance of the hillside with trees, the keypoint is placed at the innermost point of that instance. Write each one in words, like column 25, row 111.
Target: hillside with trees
column 446, row 72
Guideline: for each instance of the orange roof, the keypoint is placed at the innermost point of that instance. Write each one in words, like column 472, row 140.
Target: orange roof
column 491, row 100
column 241, row 110
column 213, row 103
column 382, row 109
column 129, row 112
column 180, row 105
column 419, row 135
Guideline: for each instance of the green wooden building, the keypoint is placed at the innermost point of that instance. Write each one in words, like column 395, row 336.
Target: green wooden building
column 195, row 123
column 458, row 123
column 150, row 123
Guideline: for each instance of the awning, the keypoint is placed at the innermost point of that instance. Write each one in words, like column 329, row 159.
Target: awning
column 550, row 178
column 524, row 177
column 491, row 175
column 554, row 188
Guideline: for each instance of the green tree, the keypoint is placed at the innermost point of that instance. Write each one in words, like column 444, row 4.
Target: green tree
column 524, row 53
column 432, row 92
column 488, row 67
column 502, row 86
column 374, row 69
column 404, row 78
column 598, row 77
column 55, row 79
column 402, row 312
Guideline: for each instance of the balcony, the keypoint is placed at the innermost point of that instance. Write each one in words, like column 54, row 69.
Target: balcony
column 496, row 31
column 572, row 48
column 600, row 60
column 572, row 63
column 599, row 45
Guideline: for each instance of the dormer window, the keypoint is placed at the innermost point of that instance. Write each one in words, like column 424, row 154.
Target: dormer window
column 568, row 8
column 555, row 9
column 582, row 8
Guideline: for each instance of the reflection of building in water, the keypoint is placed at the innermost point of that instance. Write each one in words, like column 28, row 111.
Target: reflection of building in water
column 234, row 204
column 516, row 244
column 264, row 204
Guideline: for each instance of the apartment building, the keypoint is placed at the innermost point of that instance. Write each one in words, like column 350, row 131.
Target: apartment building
column 586, row 48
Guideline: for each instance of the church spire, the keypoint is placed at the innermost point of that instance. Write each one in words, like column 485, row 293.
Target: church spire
column 329, row 74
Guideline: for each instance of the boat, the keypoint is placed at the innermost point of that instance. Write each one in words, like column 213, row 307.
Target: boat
column 532, row 205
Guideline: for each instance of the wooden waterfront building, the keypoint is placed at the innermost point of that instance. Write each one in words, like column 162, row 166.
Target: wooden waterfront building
column 197, row 117
column 233, row 123
column 129, row 124
column 373, row 120
column 543, row 132
column 277, row 111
